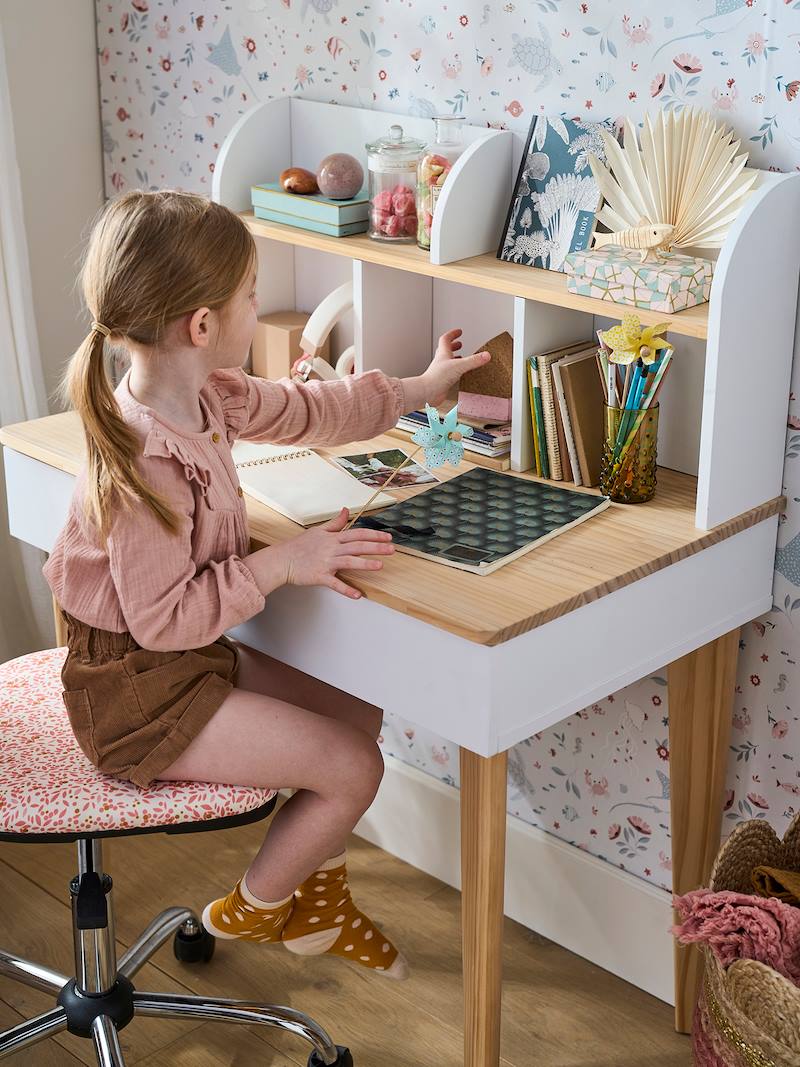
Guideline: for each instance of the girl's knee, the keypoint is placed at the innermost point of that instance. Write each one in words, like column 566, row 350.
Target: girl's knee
column 369, row 765
column 358, row 767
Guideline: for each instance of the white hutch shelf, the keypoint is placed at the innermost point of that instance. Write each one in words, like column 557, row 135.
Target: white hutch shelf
column 723, row 412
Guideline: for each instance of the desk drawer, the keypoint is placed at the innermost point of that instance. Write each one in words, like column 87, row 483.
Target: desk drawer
column 38, row 499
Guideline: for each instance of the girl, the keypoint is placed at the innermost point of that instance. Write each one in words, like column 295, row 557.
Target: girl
column 153, row 563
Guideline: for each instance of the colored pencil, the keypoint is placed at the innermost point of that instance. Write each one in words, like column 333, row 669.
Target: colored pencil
column 648, row 401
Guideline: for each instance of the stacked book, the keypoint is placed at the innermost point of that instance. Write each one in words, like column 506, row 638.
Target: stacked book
column 489, row 439
column 312, row 211
column 567, row 399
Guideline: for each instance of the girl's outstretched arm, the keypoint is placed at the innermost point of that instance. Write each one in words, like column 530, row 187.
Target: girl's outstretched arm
column 334, row 412
column 311, row 413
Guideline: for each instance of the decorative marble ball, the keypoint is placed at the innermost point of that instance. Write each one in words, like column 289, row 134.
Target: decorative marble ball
column 340, row 176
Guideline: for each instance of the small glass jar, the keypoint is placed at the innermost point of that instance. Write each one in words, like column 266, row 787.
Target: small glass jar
column 630, row 476
column 392, row 166
column 433, row 169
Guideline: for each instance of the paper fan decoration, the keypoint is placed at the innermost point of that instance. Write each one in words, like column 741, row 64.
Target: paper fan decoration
column 685, row 171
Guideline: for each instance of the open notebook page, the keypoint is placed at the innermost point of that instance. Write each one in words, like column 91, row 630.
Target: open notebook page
column 299, row 483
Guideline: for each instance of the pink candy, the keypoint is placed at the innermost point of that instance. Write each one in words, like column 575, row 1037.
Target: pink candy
column 393, row 226
column 394, row 212
column 383, row 201
column 403, row 203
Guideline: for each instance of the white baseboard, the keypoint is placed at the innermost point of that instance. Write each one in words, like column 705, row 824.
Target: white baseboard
column 590, row 907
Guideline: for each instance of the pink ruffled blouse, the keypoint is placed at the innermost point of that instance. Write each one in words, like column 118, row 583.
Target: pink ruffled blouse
column 180, row 591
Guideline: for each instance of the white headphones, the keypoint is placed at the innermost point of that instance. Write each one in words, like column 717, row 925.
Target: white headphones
column 319, row 325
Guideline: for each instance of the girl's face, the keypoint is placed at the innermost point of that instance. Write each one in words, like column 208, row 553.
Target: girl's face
column 224, row 336
column 238, row 324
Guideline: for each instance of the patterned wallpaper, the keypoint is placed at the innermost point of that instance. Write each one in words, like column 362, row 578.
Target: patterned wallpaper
column 176, row 74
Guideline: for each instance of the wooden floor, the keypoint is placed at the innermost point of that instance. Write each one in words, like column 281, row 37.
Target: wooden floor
column 559, row 1011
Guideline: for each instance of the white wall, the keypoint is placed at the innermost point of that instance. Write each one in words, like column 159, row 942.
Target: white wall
column 52, row 70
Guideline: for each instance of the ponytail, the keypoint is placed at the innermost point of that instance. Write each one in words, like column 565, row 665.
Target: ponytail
column 151, row 258
column 111, row 445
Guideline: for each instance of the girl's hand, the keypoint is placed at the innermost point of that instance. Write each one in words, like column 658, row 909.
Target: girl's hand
column 314, row 557
column 444, row 372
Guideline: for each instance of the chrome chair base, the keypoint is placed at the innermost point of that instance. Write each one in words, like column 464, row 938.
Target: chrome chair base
column 101, row 999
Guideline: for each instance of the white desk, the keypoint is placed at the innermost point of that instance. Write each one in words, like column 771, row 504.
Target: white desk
column 476, row 643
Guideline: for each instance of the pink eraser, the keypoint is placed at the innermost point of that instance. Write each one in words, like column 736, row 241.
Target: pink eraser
column 481, row 406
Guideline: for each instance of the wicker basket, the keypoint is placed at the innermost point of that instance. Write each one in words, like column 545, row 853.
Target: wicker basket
column 748, row 1015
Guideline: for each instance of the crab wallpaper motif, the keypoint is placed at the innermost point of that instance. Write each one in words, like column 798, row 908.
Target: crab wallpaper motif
column 174, row 77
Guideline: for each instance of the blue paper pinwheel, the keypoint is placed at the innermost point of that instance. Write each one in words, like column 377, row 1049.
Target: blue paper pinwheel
column 441, row 438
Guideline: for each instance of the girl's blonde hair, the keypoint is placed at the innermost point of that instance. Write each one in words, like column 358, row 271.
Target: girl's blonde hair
column 151, row 258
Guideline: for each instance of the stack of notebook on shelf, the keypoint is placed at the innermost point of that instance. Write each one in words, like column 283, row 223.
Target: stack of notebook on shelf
column 312, row 211
column 490, row 440
column 567, row 398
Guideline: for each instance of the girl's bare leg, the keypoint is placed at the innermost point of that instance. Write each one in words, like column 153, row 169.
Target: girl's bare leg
column 335, row 766
column 261, row 673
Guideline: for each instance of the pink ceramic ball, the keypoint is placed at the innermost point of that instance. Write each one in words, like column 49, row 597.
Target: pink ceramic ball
column 340, row 176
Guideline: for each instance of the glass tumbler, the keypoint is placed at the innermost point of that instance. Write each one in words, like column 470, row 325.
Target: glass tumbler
column 629, row 477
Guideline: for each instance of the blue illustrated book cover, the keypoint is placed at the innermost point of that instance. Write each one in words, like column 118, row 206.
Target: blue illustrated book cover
column 553, row 207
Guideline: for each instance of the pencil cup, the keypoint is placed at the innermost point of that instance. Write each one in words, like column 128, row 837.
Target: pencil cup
column 628, row 468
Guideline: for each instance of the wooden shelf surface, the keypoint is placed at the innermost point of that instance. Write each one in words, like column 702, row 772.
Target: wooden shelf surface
column 481, row 272
column 604, row 554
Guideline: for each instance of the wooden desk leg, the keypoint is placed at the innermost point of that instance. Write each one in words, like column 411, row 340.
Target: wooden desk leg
column 701, row 694
column 61, row 626
column 483, row 853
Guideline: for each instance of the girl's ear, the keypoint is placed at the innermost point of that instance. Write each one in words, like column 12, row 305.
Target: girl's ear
column 199, row 327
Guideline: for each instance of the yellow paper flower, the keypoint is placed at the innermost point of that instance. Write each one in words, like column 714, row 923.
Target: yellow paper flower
column 629, row 341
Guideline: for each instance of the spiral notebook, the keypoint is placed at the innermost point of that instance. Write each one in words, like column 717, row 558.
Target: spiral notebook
column 299, row 483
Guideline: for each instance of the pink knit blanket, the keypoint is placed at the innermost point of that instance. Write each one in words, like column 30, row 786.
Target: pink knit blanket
column 739, row 926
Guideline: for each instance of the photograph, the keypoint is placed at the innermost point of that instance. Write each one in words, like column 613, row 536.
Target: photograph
column 376, row 468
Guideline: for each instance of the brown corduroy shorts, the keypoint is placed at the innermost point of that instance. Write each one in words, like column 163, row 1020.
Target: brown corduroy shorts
column 133, row 711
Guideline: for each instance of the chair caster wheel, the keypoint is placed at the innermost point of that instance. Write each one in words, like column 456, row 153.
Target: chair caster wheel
column 345, row 1059
column 193, row 948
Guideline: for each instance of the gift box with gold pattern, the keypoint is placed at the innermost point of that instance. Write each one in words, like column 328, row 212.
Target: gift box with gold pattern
column 669, row 283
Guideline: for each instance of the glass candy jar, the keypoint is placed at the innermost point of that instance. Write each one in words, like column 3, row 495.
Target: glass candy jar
column 433, row 169
column 392, row 166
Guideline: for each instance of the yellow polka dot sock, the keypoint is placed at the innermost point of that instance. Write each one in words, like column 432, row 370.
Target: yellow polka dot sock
column 242, row 915
column 325, row 920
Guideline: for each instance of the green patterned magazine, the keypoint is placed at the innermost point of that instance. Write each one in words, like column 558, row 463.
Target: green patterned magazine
column 482, row 519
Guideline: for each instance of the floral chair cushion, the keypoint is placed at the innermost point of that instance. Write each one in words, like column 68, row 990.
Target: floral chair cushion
column 48, row 786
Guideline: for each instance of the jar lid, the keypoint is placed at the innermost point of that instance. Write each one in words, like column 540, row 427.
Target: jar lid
column 449, row 126
column 396, row 146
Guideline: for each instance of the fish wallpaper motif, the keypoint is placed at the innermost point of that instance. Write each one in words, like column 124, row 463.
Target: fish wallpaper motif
column 174, row 77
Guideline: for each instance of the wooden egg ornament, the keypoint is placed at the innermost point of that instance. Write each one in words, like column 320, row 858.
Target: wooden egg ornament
column 298, row 180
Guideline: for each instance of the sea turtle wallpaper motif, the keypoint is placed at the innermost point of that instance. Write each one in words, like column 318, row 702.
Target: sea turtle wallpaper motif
column 534, row 56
